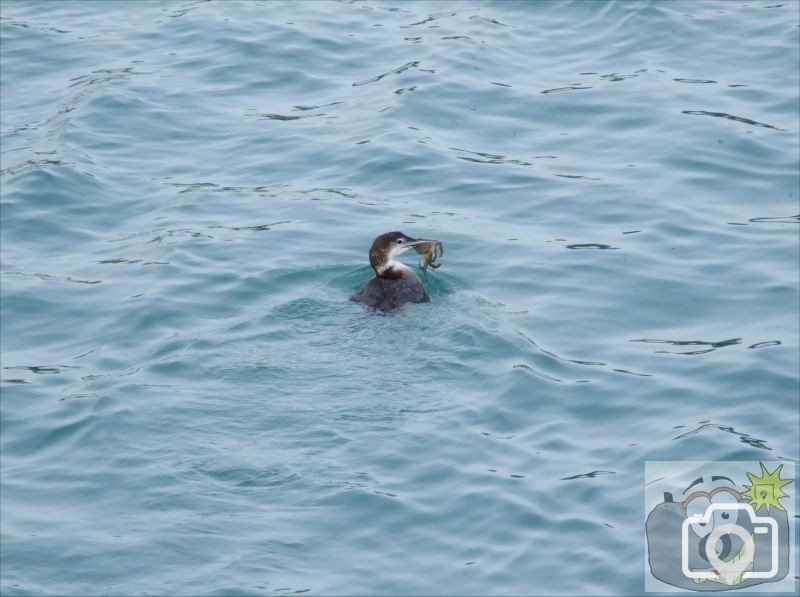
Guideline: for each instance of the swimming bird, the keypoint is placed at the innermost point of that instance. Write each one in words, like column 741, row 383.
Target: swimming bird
column 394, row 284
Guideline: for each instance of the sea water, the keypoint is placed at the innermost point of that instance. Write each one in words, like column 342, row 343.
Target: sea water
column 190, row 403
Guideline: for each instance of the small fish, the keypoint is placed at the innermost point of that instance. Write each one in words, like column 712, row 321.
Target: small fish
column 431, row 250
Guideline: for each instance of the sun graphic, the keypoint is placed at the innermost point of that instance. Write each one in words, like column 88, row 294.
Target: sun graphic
column 766, row 490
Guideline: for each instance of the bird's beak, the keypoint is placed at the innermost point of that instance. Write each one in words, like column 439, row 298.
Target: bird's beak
column 419, row 241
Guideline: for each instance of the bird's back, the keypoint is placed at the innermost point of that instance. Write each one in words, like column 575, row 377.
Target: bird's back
column 387, row 295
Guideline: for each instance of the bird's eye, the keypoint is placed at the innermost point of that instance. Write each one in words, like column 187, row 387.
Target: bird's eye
column 399, row 241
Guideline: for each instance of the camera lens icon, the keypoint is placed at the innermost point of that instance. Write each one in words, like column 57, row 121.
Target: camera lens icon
column 730, row 564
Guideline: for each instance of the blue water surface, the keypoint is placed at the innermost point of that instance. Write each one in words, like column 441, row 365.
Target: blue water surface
column 192, row 406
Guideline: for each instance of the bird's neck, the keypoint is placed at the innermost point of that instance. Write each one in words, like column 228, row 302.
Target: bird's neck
column 391, row 269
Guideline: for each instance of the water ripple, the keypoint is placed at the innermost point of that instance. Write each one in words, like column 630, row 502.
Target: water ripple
column 743, row 437
column 394, row 71
column 592, row 246
column 567, row 88
column 712, row 345
column 591, row 475
column 732, row 117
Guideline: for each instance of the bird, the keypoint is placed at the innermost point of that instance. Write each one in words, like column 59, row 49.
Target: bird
column 395, row 284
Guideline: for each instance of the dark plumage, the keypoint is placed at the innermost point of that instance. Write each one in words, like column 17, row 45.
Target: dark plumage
column 387, row 295
column 394, row 284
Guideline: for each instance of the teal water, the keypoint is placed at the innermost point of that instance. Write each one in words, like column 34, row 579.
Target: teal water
column 190, row 403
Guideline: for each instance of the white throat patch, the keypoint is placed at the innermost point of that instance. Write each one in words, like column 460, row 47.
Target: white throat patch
column 393, row 265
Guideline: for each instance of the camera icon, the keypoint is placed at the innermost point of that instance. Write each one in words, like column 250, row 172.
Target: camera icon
column 719, row 535
column 730, row 538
